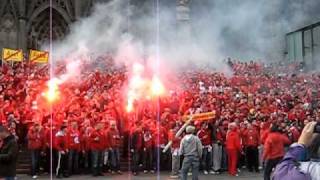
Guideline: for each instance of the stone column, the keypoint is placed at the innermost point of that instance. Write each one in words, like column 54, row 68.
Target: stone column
column 22, row 31
column 183, row 18
column 78, row 9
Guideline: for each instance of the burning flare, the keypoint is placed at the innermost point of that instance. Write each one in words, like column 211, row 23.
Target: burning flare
column 136, row 83
column 157, row 88
column 142, row 87
column 52, row 93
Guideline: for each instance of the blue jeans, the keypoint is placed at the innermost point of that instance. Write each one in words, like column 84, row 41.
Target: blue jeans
column 206, row 160
column 73, row 162
column 115, row 159
column 97, row 162
column 148, row 159
column 190, row 162
column 164, row 160
column 135, row 161
column 35, row 157
column 224, row 164
column 9, row 178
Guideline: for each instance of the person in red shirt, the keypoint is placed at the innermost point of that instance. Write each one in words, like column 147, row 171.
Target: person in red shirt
column 264, row 131
column 136, row 145
column 61, row 144
column 295, row 133
column 106, row 157
column 233, row 148
column 219, row 139
column 74, row 148
column 205, row 136
column 114, row 139
column 251, row 139
column 86, row 131
column 175, row 150
column 273, row 149
column 97, row 144
column 148, row 146
column 49, row 144
column 35, row 145
column 160, row 141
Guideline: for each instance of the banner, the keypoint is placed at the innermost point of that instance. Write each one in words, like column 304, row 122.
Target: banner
column 12, row 55
column 200, row 117
column 39, row 56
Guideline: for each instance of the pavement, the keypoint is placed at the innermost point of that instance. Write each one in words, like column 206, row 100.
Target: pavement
column 162, row 176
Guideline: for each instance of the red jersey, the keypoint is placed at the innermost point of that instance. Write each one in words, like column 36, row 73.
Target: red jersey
column 274, row 145
column 61, row 141
column 147, row 140
column 205, row 137
column 74, row 140
column 263, row 135
column 163, row 137
column 220, row 135
column 35, row 139
column 175, row 141
column 85, row 138
column 251, row 137
column 114, row 138
column 233, row 140
column 97, row 140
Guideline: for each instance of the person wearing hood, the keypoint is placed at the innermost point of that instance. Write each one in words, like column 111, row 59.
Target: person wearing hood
column 233, row 147
column 191, row 149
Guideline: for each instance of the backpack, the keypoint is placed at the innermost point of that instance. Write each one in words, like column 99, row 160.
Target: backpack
column 289, row 169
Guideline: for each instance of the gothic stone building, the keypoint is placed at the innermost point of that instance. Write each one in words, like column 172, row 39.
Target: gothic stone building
column 25, row 24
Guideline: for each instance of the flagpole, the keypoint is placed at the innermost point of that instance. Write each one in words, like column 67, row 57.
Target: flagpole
column 2, row 58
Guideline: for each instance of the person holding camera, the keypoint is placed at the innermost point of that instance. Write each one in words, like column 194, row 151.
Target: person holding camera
column 296, row 164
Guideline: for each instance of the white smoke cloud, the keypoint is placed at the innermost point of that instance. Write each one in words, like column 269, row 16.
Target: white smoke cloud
column 251, row 29
column 246, row 29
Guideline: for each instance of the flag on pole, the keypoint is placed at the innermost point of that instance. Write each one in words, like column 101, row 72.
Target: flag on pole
column 39, row 56
column 12, row 55
column 200, row 117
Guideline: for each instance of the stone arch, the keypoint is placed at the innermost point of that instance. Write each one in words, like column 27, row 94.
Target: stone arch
column 46, row 6
column 39, row 26
column 8, row 25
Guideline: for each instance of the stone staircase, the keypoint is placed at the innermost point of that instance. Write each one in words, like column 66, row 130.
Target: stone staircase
column 24, row 161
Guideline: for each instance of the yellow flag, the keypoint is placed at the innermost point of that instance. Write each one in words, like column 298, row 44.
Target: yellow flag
column 12, row 55
column 201, row 116
column 39, row 56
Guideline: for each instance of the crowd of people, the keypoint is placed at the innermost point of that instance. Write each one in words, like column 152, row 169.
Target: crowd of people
column 259, row 111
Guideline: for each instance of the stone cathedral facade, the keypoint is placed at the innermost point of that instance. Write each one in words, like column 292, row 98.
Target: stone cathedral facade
column 25, row 24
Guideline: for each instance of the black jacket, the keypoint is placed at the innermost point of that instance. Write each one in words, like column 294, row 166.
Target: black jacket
column 8, row 157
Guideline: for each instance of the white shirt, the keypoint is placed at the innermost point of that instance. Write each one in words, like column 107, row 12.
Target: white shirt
column 312, row 168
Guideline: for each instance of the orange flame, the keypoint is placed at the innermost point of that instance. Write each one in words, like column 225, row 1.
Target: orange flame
column 52, row 94
column 157, row 88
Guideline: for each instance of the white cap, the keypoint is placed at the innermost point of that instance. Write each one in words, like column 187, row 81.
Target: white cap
column 190, row 129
